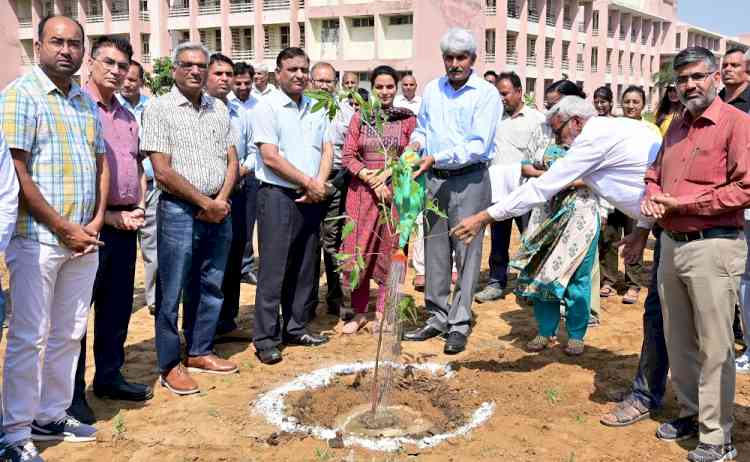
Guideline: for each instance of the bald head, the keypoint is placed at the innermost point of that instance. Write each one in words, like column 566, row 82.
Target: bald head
column 323, row 77
column 350, row 81
column 60, row 48
column 409, row 86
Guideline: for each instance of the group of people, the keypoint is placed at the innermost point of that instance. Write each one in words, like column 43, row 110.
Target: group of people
column 89, row 173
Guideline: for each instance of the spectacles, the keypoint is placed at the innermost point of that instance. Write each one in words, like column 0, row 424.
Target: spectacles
column 188, row 65
column 111, row 64
column 324, row 82
column 558, row 132
column 696, row 77
column 58, row 44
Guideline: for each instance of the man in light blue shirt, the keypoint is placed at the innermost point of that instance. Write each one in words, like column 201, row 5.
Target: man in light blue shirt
column 131, row 98
column 293, row 167
column 455, row 134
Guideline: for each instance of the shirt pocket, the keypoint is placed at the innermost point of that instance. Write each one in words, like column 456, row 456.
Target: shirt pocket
column 708, row 167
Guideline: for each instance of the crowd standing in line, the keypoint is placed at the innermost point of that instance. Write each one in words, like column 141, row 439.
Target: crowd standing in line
column 89, row 173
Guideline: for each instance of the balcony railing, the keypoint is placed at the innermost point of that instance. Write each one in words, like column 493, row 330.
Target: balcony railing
column 594, row 68
column 24, row 22
column 644, row 40
column 534, row 16
column 271, row 53
column 243, row 54
column 121, row 15
column 549, row 62
column 567, row 23
column 95, row 18
column 209, row 7
column 622, row 35
column 581, row 26
column 271, row 5
column 179, row 11
column 489, row 57
column 611, row 34
column 595, row 31
column 512, row 58
column 579, row 66
column 29, row 60
column 619, row 69
column 146, row 58
column 144, row 16
column 490, row 10
column 565, row 64
column 512, row 12
column 242, row 6
column 301, row 4
column 609, row 68
column 531, row 60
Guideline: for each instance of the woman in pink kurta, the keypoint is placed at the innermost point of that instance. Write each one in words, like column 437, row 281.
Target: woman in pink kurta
column 363, row 156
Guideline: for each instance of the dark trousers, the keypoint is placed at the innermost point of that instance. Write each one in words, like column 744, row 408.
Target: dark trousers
column 192, row 260
column 231, row 285
column 113, row 304
column 288, row 234
column 500, row 232
column 250, row 186
column 650, row 381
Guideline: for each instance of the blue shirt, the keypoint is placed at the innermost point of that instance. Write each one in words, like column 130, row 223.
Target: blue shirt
column 457, row 127
column 137, row 112
column 298, row 132
column 240, row 119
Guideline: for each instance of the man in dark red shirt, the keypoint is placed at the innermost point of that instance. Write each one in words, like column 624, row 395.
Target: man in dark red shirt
column 697, row 190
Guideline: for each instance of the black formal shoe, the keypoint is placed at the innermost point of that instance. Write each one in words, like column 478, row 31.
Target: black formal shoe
column 334, row 309
column 250, row 278
column 423, row 333
column 79, row 409
column 120, row 389
column 306, row 340
column 455, row 344
column 269, row 355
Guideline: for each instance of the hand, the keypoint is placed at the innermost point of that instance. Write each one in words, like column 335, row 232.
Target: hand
column 633, row 245
column 378, row 180
column 79, row 239
column 669, row 204
column 215, row 211
column 366, row 175
column 315, row 191
column 384, row 194
column 426, row 164
column 244, row 171
column 470, row 227
column 649, row 208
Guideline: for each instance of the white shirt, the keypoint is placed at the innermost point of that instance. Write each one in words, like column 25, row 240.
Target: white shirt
column 260, row 94
column 8, row 195
column 516, row 138
column 610, row 155
column 412, row 105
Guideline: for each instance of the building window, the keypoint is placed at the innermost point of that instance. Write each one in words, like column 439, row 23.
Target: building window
column 329, row 31
column 400, row 20
column 302, row 35
column 145, row 46
column 595, row 20
column 284, row 37
column 367, row 21
column 677, row 40
column 489, row 42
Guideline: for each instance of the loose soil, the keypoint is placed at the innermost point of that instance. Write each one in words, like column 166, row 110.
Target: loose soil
column 547, row 404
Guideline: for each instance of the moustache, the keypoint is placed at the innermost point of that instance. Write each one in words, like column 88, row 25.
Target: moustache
column 455, row 69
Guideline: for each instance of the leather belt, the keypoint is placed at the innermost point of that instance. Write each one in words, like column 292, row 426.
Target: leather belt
column 445, row 174
column 719, row 232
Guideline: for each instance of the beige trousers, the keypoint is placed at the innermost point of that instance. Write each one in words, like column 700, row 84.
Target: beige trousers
column 699, row 288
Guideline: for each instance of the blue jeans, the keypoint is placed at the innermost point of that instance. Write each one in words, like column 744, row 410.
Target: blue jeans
column 651, row 379
column 251, row 210
column 192, row 259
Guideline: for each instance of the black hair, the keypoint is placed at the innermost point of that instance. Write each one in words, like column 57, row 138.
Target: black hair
column 117, row 43
column 565, row 88
column 133, row 62
column 604, row 93
column 665, row 106
column 692, row 55
column 290, row 53
column 634, row 89
column 492, row 73
column 384, row 70
column 511, row 76
column 735, row 50
column 220, row 58
column 364, row 93
column 241, row 67
column 43, row 22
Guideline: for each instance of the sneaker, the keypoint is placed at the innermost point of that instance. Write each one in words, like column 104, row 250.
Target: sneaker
column 594, row 321
column 23, row 451
column 679, row 429
column 65, row 429
column 705, row 452
column 489, row 294
column 743, row 363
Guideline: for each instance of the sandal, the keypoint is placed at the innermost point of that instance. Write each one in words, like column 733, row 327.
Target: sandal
column 574, row 348
column 626, row 413
column 539, row 343
column 631, row 296
column 606, row 291
column 352, row 327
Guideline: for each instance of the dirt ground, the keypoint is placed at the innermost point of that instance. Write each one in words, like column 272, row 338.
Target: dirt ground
column 547, row 405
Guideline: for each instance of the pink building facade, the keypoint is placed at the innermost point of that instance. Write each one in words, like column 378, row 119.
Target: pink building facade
column 593, row 42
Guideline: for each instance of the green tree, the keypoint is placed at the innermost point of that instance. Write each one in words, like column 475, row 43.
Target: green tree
column 665, row 76
column 160, row 81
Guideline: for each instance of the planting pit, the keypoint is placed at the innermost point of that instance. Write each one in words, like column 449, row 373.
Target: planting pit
column 426, row 405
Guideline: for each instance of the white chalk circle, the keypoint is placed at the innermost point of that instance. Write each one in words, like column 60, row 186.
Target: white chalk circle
column 271, row 406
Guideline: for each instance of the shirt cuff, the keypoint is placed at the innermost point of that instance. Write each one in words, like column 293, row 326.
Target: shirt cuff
column 497, row 212
column 687, row 204
column 645, row 223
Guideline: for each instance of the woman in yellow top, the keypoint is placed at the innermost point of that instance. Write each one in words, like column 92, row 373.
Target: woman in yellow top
column 633, row 102
column 670, row 107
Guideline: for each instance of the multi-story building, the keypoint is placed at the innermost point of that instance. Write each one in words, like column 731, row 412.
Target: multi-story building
column 593, row 42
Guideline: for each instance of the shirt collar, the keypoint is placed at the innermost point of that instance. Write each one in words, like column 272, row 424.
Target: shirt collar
column 182, row 100
column 125, row 103
column 285, row 100
column 93, row 92
column 744, row 96
column 472, row 82
column 235, row 107
column 48, row 86
column 712, row 113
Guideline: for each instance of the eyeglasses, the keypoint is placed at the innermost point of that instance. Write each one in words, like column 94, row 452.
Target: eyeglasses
column 696, row 77
column 558, row 132
column 58, row 43
column 184, row 65
column 324, row 82
column 111, row 64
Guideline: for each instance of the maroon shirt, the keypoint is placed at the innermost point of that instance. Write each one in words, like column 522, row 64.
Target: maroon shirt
column 704, row 164
column 120, row 133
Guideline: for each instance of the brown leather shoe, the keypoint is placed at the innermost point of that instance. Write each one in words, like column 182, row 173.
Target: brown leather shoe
column 178, row 381
column 211, row 364
column 419, row 283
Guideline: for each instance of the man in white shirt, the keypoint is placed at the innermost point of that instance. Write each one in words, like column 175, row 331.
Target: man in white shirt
column 519, row 136
column 408, row 98
column 261, row 88
column 610, row 155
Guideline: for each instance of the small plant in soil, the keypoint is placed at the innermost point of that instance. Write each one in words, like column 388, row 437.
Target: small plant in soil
column 552, row 395
column 118, row 427
column 323, row 455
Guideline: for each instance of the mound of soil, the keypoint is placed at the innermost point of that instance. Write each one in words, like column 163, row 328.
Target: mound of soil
column 445, row 402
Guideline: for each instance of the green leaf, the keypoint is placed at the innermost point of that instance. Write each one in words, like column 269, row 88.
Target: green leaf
column 318, row 106
column 354, row 278
column 342, row 256
column 347, row 230
column 360, row 261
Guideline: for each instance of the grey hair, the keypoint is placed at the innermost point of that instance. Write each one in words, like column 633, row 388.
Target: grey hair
column 261, row 67
column 692, row 55
column 185, row 46
column 572, row 106
column 457, row 41
column 747, row 55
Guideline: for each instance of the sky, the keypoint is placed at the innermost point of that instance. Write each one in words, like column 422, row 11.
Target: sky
column 728, row 17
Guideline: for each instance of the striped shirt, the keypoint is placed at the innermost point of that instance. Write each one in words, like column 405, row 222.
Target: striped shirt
column 63, row 135
column 197, row 140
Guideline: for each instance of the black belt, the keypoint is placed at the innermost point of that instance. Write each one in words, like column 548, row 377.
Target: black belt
column 122, row 208
column 444, row 174
column 719, row 232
